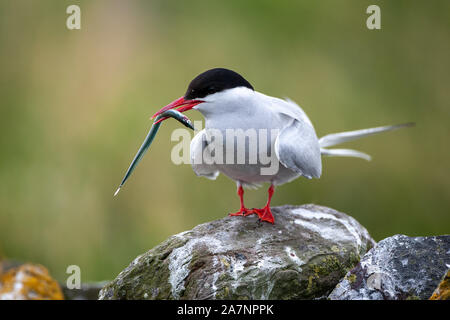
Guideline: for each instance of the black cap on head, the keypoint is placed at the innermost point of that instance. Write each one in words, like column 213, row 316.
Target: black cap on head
column 215, row 80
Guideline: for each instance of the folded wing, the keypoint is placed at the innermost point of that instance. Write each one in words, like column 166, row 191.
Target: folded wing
column 297, row 148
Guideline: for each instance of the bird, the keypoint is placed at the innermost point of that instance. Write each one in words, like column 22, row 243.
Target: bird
column 227, row 102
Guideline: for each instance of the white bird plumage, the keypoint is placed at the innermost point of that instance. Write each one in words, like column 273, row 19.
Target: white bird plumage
column 296, row 147
column 273, row 140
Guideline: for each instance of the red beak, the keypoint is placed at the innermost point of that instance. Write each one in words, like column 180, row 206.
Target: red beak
column 183, row 104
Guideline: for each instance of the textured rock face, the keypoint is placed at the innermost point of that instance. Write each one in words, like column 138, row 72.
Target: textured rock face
column 397, row 268
column 29, row 282
column 88, row 291
column 303, row 256
column 442, row 292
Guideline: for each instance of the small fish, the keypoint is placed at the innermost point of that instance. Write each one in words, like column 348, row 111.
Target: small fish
column 150, row 136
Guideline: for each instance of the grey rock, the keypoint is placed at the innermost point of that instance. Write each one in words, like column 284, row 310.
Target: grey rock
column 442, row 292
column 397, row 268
column 88, row 291
column 303, row 256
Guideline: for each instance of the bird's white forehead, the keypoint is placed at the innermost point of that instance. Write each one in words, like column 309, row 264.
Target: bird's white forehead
column 229, row 94
column 226, row 101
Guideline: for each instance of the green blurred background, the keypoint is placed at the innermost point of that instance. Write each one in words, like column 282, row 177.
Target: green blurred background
column 75, row 106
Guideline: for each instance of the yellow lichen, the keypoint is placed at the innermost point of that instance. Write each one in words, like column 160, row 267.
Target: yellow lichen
column 225, row 262
column 442, row 292
column 29, row 282
column 351, row 278
column 335, row 249
column 316, row 270
column 310, row 282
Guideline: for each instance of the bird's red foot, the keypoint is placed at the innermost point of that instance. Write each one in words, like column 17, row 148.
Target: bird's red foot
column 265, row 214
column 243, row 212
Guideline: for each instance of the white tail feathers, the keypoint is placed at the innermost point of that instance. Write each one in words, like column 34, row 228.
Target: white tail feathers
column 344, row 153
column 341, row 137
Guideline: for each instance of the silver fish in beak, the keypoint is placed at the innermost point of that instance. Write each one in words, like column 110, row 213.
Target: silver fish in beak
column 151, row 135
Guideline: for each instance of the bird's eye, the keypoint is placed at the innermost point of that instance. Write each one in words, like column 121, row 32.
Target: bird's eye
column 211, row 89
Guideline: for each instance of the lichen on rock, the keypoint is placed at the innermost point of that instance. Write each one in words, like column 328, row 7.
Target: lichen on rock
column 302, row 256
column 29, row 282
column 442, row 292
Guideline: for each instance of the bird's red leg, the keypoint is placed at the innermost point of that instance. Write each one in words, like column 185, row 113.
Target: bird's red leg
column 243, row 211
column 265, row 214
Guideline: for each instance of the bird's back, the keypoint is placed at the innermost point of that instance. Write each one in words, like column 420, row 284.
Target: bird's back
column 264, row 117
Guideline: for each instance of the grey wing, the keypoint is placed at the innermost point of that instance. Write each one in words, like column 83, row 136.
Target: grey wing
column 199, row 165
column 297, row 148
column 291, row 109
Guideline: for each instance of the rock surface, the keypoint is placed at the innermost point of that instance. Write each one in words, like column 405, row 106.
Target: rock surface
column 303, row 256
column 442, row 292
column 397, row 268
column 29, row 282
column 88, row 291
